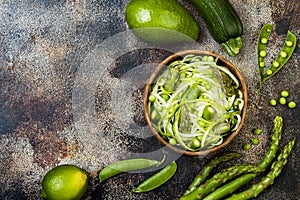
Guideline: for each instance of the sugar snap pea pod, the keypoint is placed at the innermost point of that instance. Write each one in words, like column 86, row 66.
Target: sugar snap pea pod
column 232, row 186
column 205, row 171
column 126, row 166
column 227, row 174
column 267, row 180
column 157, row 179
column 263, row 38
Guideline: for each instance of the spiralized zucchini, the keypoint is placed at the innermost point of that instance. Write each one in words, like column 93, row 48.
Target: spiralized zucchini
column 195, row 103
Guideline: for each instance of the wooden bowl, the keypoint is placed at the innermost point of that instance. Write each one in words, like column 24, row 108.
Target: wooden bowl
column 221, row 61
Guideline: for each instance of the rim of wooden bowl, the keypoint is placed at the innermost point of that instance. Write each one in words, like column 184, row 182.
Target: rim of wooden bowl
column 223, row 61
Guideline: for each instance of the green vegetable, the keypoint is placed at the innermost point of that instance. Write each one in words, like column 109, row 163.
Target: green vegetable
column 289, row 43
column 267, row 180
column 284, row 93
column 269, row 72
column 264, row 40
column 255, row 141
column 257, row 131
column 284, row 55
column 232, row 186
column 202, row 106
column 263, row 53
column 126, row 166
column 246, row 146
column 205, row 171
column 273, row 102
column 276, row 64
column 161, row 21
column 292, row 105
column 282, row 100
column 157, row 179
column 152, row 98
column 261, row 64
column 222, row 22
column 276, row 137
column 220, row 178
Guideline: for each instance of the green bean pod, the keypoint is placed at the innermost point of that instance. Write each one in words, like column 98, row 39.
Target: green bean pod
column 267, row 180
column 263, row 38
column 227, row 174
column 126, row 166
column 205, row 171
column 232, row 186
column 157, row 179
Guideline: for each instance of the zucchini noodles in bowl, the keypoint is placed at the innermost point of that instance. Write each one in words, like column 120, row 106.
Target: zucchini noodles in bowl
column 195, row 103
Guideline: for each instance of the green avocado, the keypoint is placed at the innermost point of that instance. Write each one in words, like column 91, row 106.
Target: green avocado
column 161, row 21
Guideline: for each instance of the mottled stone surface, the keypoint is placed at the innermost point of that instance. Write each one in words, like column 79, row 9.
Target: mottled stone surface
column 71, row 84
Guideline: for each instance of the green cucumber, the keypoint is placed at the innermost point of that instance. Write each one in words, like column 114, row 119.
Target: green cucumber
column 222, row 22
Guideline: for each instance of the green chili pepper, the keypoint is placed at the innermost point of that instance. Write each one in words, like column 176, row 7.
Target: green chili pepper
column 126, row 166
column 157, row 179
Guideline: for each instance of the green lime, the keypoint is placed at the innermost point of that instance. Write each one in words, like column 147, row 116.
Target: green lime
column 64, row 182
column 161, row 21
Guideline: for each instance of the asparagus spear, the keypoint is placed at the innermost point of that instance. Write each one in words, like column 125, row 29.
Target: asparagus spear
column 276, row 137
column 267, row 180
column 220, row 178
column 264, row 163
column 205, row 171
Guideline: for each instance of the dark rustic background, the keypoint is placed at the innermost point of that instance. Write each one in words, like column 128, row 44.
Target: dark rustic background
column 51, row 53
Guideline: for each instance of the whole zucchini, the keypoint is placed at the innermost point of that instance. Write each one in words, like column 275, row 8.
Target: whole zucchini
column 222, row 22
